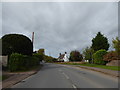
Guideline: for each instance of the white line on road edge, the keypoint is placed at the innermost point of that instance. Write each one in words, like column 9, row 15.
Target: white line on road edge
column 65, row 75
column 74, row 86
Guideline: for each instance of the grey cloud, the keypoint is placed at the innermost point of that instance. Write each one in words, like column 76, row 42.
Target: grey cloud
column 61, row 27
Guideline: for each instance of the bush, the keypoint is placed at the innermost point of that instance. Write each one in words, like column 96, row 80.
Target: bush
column 39, row 56
column 98, row 57
column 16, row 62
column 35, row 61
column 19, row 62
column 16, row 43
column 111, row 56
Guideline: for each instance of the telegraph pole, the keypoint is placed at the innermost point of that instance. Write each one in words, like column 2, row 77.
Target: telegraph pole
column 33, row 40
column 32, row 37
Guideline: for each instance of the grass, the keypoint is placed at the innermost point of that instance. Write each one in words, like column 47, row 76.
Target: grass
column 2, row 78
column 115, row 68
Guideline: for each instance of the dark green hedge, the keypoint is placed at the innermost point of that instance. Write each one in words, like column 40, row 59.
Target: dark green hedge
column 19, row 62
column 16, row 43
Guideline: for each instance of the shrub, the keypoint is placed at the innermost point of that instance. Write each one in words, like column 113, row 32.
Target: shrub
column 16, row 62
column 39, row 56
column 98, row 57
column 35, row 61
column 19, row 62
column 16, row 43
column 111, row 56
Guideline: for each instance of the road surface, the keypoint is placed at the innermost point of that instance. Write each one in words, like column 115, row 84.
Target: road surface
column 63, row 76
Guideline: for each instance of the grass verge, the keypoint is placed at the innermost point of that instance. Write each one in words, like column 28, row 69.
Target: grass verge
column 4, row 77
column 0, row 78
column 115, row 68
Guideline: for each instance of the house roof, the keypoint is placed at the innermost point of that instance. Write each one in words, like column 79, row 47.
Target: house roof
column 61, row 56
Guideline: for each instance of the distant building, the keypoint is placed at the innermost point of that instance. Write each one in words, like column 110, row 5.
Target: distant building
column 63, row 57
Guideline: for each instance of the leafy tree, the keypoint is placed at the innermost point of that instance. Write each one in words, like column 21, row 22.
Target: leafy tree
column 41, row 51
column 100, row 42
column 75, row 56
column 116, row 44
column 88, row 52
column 16, row 43
column 39, row 56
column 49, row 59
column 98, row 57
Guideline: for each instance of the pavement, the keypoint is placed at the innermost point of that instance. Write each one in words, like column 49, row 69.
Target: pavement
column 66, row 76
column 16, row 77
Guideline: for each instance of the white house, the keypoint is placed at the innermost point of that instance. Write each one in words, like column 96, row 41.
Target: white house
column 63, row 57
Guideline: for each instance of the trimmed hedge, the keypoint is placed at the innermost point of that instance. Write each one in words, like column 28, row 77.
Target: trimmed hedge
column 16, row 43
column 19, row 62
column 98, row 57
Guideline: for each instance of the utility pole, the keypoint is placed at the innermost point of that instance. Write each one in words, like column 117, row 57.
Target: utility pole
column 32, row 37
column 33, row 40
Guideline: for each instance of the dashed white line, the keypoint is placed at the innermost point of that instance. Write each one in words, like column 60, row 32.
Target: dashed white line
column 65, row 75
column 74, row 86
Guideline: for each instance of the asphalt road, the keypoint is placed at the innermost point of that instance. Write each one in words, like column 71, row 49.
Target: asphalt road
column 63, row 76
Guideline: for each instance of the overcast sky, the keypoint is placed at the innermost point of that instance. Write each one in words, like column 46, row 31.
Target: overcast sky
column 61, row 27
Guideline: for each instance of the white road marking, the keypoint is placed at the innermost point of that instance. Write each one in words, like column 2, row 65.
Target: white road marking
column 65, row 75
column 74, row 86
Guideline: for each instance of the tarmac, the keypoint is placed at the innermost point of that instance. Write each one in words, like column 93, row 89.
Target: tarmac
column 19, row 77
